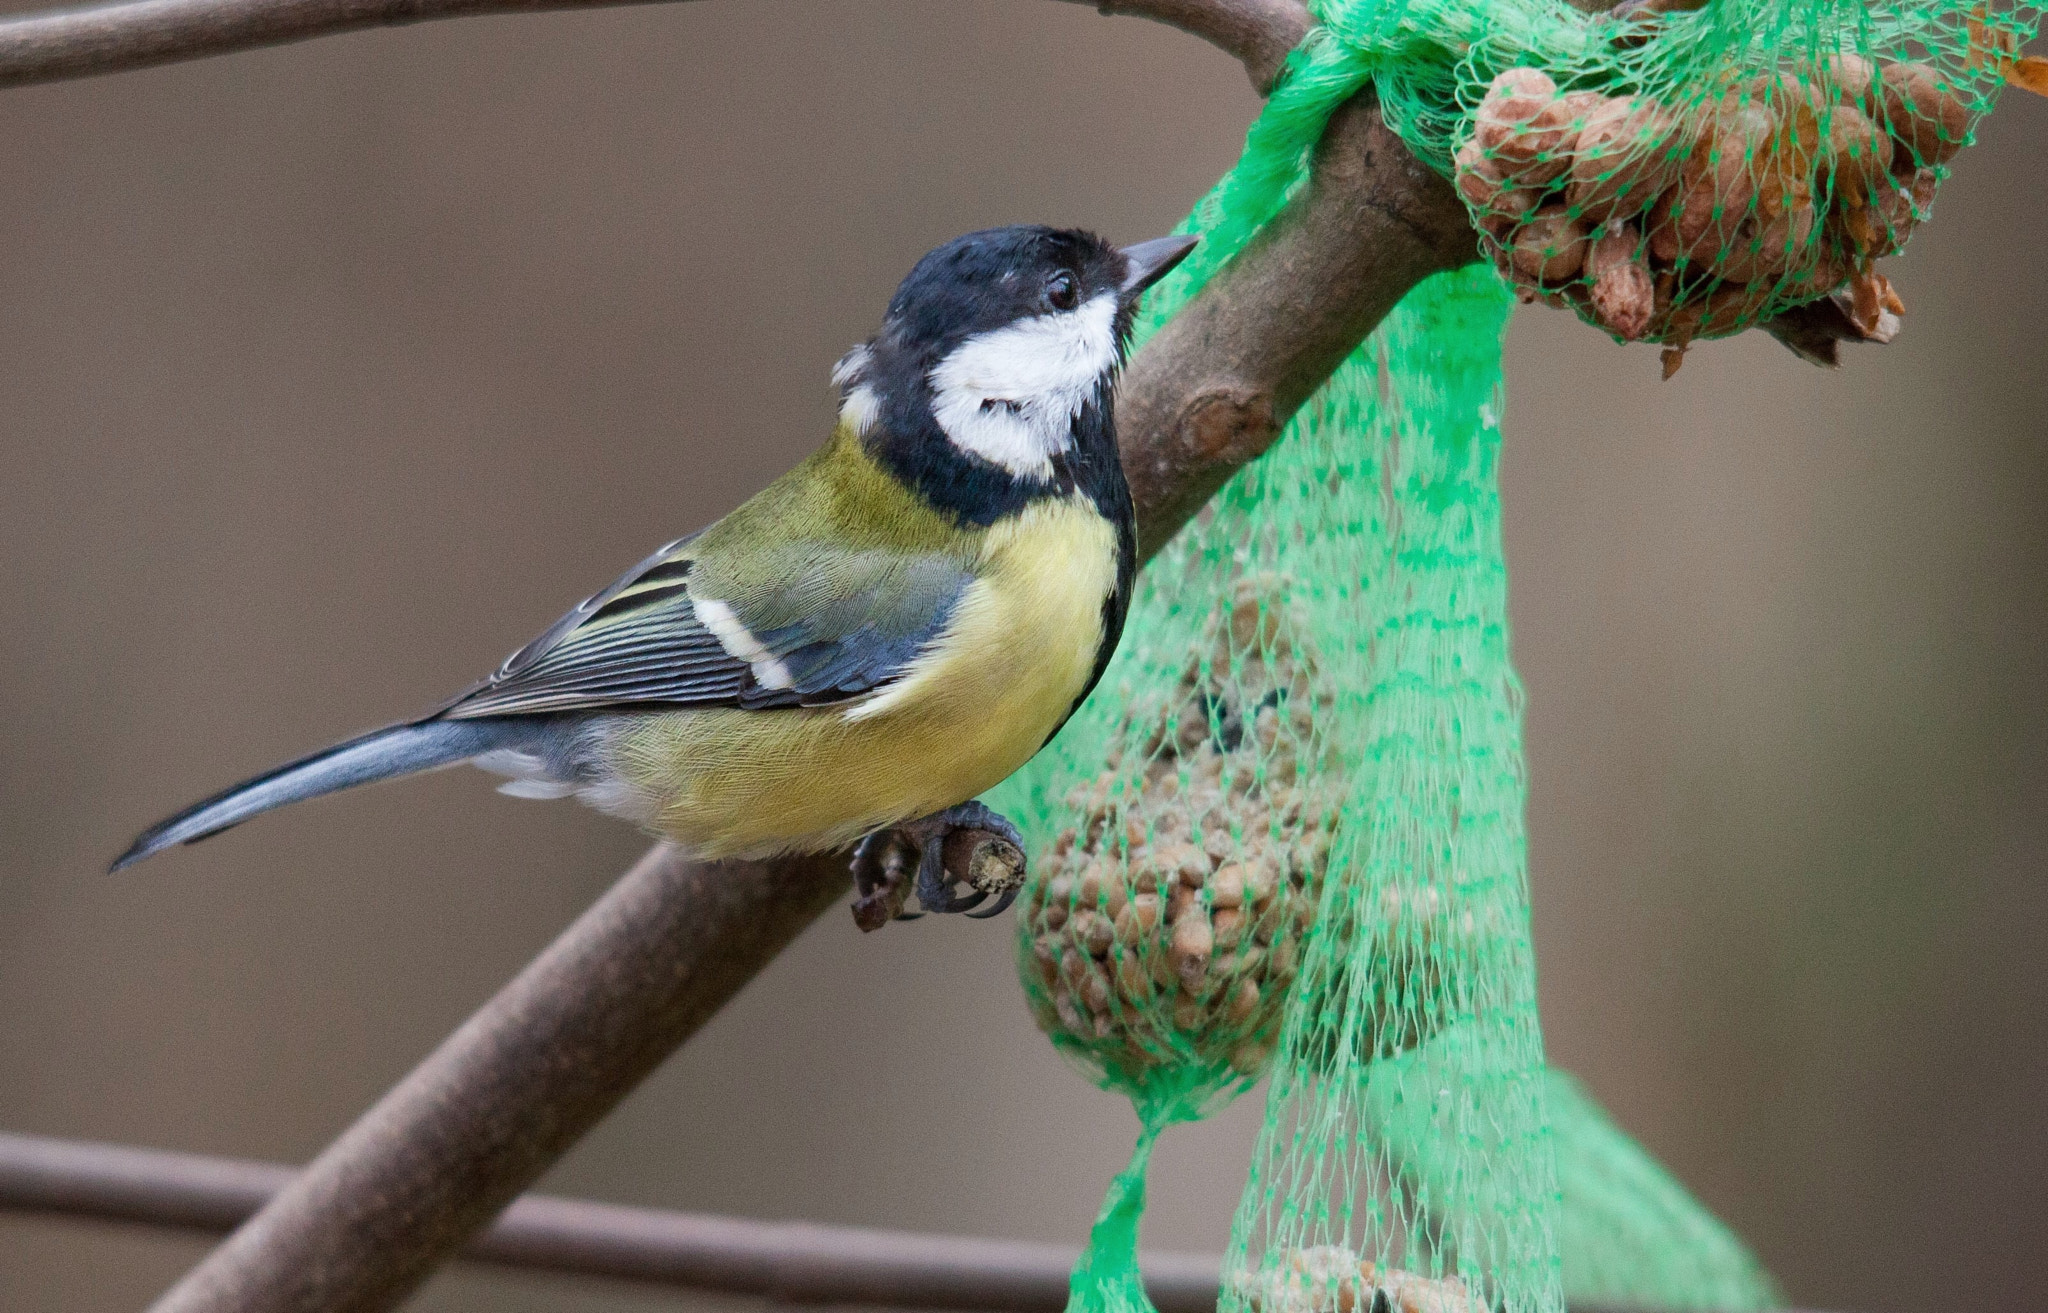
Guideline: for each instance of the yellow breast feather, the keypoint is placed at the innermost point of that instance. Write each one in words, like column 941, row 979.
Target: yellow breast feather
column 972, row 708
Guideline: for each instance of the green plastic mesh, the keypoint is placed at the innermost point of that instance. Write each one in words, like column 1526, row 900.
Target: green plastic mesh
column 1683, row 175
column 1284, row 836
column 1291, row 820
column 1668, row 175
column 1440, row 1034
column 1183, row 822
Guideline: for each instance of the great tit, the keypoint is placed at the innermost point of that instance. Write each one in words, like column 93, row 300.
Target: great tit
column 878, row 636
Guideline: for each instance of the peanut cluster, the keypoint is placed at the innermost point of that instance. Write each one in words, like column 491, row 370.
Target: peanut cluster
column 1672, row 226
column 1164, row 928
column 1332, row 1279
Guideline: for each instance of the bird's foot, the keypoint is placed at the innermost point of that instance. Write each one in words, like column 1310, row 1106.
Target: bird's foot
column 883, row 865
column 968, row 845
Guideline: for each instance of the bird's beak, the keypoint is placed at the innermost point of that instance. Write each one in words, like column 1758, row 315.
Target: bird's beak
column 1147, row 262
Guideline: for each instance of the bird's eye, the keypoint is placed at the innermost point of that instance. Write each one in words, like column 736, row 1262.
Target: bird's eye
column 1061, row 293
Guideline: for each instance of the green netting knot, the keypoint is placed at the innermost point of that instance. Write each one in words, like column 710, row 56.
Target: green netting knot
column 1107, row 1278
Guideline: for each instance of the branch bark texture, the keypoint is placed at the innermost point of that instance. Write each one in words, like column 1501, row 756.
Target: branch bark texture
column 508, row 1093
column 1213, row 387
column 790, row 1262
column 72, row 43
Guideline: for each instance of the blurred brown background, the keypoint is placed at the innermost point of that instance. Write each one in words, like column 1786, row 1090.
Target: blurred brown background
column 328, row 375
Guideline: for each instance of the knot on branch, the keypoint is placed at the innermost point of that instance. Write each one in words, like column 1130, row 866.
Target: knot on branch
column 1229, row 425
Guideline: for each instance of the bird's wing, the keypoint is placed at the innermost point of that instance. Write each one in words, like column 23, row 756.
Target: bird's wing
column 819, row 624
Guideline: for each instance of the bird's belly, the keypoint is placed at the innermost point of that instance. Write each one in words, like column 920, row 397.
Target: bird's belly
column 971, row 709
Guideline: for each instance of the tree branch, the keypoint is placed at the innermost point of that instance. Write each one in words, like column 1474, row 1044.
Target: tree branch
column 790, row 1262
column 1258, row 33
column 1213, row 388
column 511, row 1090
column 112, row 38
column 787, row 1262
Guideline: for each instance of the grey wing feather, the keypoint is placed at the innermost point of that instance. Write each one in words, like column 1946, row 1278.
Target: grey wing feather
column 839, row 626
column 518, row 662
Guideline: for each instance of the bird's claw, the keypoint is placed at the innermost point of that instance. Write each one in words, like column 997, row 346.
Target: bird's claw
column 944, row 900
column 881, row 879
column 934, row 881
column 968, row 845
column 1002, row 904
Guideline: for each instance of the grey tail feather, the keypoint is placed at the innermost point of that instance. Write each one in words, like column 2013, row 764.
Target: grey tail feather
column 379, row 755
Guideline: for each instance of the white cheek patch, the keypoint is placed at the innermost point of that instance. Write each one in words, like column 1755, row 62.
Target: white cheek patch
column 1010, row 395
column 860, row 409
column 769, row 670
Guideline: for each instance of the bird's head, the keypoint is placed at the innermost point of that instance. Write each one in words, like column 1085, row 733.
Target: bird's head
column 996, row 359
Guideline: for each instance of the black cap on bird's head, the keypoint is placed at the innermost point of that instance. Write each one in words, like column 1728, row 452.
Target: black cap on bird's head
column 992, row 374
column 1001, row 276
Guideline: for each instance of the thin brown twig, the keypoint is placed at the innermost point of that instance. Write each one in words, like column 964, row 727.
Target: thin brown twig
column 1258, row 33
column 73, row 43
column 790, row 1262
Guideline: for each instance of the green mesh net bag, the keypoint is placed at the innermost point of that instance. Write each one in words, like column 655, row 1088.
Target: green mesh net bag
column 1284, row 836
column 1671, row 170
column 1290, row 823
column 1673, row 176
column 1439, row 1038
column 1183, row 821
column 1292, row 820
